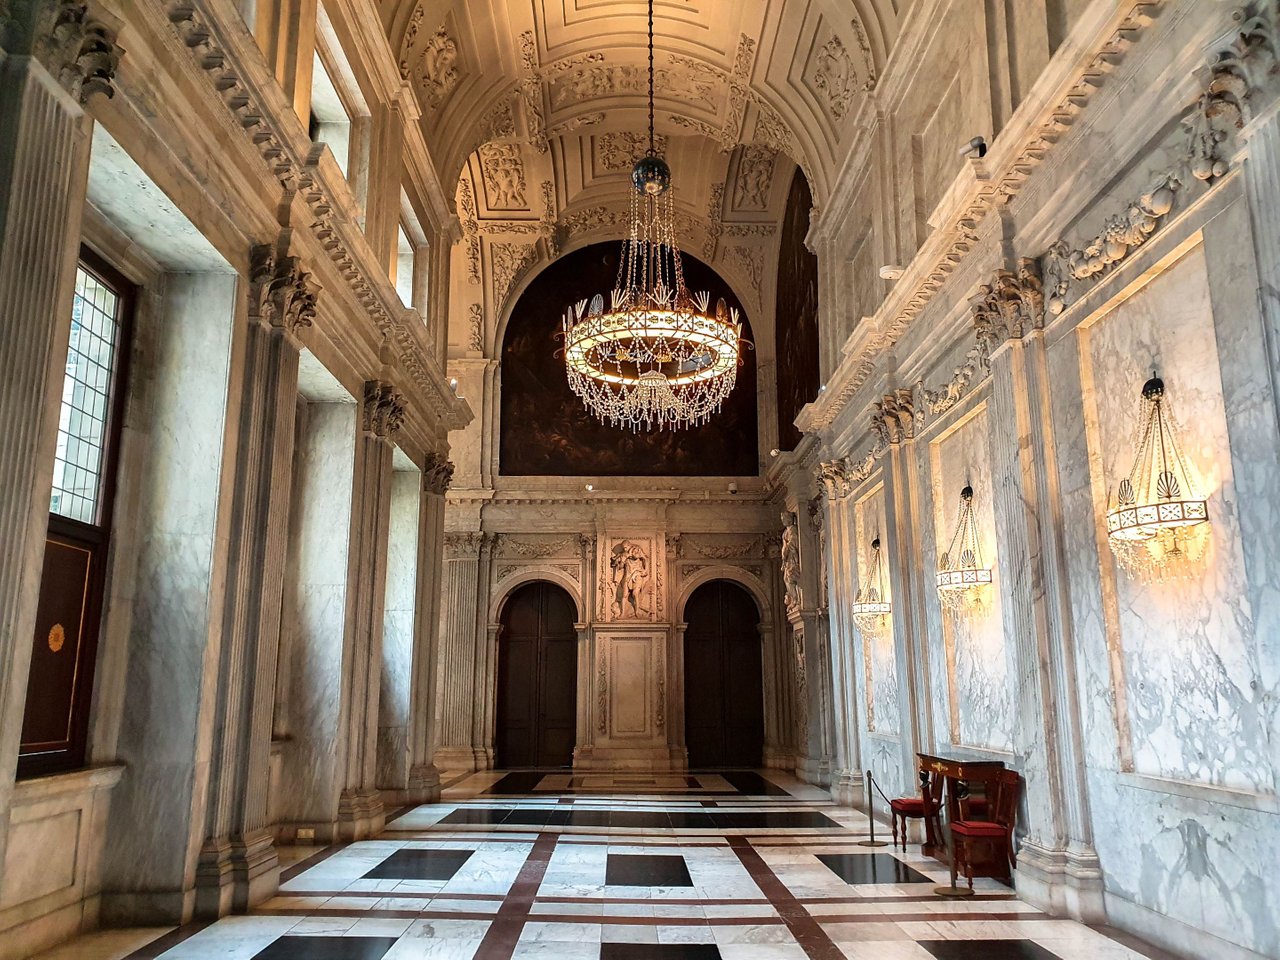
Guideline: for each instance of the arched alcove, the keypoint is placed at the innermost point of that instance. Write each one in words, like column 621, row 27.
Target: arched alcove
column 546, row 431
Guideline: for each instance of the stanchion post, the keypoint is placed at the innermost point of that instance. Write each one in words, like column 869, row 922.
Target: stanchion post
column 871, row 841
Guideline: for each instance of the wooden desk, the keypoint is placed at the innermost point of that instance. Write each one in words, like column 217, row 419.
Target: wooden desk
column 979, row 777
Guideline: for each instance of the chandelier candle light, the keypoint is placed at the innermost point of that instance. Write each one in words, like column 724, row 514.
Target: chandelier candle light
column 961, row 573
column 658, row 357
column 871, row 609
column 1157, row 522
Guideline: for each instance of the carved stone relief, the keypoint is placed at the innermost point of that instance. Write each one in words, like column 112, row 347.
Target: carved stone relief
column 506, row 262
column 475, row 341
column 436, row 67
column 833, row 77
column 620, row 150
column 382, row 412
column 281, row 293
column 503, row 172
column 630, row 571
column 755, row 177
column 790, row 564
column 437, row 474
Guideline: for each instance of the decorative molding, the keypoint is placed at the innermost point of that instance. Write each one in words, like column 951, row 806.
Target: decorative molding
column 602, row 695
column 834, row 78
column 754, row 178
column 730, row 134
column 503, row 172
column 1121, row 234
column 475, row 341
column 977, row 364
column 464, row 545
column 714, row 222
column 834, row 475
column 437, row 474
column 507, row 261
column 535, row 550
column 382, row 410
column 470, row 228
column 535, row 117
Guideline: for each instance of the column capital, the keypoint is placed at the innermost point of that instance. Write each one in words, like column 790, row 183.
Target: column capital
column 77, row 48
column 382, row 412
column 437, row 473
column 282, row 295
column 1010, row 306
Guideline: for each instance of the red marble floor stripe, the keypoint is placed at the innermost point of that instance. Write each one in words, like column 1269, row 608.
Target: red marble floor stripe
column 500, row 939
column 815, row 942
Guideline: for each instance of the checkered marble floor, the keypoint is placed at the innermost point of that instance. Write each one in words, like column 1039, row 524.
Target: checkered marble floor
column 523, row 865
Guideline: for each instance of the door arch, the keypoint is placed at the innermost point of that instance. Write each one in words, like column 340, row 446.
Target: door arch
column 723, row 678
column 535, row 723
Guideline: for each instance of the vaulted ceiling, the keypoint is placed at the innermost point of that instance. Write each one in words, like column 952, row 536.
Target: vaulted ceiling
column 538, row 108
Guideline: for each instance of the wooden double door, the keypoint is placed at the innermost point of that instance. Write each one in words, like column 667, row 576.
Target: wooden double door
column 537, row 679
column 723, row 678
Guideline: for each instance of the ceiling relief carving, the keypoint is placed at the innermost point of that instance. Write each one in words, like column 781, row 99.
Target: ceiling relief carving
column 432, row 61
column 833, row 78
column 618, row 151
column 507, row 261
column 503, row 172
column 755, row 178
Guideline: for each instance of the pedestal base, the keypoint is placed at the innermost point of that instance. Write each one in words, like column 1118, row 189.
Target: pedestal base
column 234, row 875
column 1064, row 883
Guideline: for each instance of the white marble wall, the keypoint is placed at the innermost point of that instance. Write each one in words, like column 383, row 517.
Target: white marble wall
column 977, row 665
column 396, row 691
column 880, row 662
column 315, row 755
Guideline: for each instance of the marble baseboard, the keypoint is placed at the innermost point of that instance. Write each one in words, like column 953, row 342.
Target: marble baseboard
column 29, row 937
column 460, row 757
column 647, row 759
column 814, row 770
column 1171, row 934
column 1064, row 883
column 235, row 875
column 847, row 789
column 147, row 908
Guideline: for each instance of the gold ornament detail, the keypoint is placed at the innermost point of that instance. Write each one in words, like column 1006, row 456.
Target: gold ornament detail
column 57, row 637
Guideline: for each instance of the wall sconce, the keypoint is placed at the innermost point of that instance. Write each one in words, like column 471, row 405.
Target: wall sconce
column 961, row 572
column 1159, row 523
column 870, row 609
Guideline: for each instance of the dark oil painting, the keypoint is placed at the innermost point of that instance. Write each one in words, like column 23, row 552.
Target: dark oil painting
column 546, row 430
column 797, row 313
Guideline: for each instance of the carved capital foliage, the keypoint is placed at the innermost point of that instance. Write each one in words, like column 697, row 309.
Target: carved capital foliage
column 78, row 49
column 383, row 409
column 464, row 546
column 894, row 419
column 281, row 294
column 437, row 473
column 1011, row 305
column 834, row 475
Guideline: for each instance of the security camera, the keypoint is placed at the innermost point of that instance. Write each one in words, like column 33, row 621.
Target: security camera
column 733, row 487
column 976, row 148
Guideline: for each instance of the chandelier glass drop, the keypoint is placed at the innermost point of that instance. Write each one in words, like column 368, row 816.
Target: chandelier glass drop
column 871, row 608
column 658, row 357
column 961, row 572
column 1157, row 522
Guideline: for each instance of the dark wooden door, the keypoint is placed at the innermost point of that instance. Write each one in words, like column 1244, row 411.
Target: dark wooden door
column 723, row 678
column 537, row 679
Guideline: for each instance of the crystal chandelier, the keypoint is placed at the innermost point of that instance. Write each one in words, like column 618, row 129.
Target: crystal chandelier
column 961, row 573
column 658, row 357
column 871, row 609
column 1159, row 523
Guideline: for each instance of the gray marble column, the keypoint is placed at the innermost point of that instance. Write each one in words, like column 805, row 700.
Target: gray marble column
column 238, row 866
column 45, row 78
column 1261, row 139
column 1057, row 866
column 360, row 810
column 424, row 777
column 458, row 625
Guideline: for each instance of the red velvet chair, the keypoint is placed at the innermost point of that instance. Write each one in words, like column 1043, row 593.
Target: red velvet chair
column 997, row 831
column 925, row 807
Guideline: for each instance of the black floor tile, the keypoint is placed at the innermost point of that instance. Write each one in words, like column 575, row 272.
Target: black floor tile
column 644, row 870
column 790, row 820
column 483, row 815
column 648, row 819
column 871, row 868
column 532, row 817
column 524, row 781
column 752, row 784
column 326, row 948
column 420, row 865
column 987, row 950
column 659, row 951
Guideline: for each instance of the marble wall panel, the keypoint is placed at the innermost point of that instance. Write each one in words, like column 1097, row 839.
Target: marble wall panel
column 314, row 756
column 980, row 669
column 1188, row 670
column 397, row 630
column 878, row 654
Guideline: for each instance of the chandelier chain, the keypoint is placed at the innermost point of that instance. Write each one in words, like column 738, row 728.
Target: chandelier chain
column 652, row 143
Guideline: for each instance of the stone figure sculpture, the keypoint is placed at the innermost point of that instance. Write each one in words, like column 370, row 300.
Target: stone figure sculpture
column 629, row 567
column 790, row 561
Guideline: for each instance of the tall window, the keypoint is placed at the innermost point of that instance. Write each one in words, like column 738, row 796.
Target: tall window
column 55, row 723
column 404, row 268
column 330, row 119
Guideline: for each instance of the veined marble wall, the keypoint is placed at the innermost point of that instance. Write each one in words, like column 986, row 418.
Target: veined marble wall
column 977, row 665
column 880, row 664
column 1186, row 678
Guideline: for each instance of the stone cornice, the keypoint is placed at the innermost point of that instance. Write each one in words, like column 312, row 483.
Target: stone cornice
column 228, row 54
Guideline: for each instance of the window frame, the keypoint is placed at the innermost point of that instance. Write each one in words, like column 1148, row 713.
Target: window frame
column 92, row 537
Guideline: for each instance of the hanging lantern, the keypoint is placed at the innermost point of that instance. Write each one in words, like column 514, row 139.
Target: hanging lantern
column 871, row 608
column 1157, row 521
column 961, row 573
